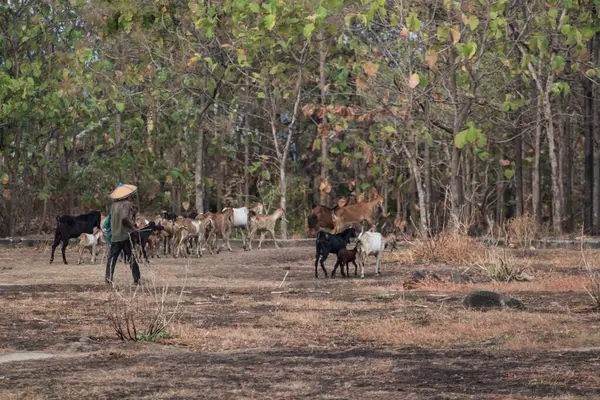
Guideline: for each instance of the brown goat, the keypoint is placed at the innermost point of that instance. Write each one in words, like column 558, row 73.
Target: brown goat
column 263, row 223
column 320, row 217
column 355, row 213
column 344, row 258
column 222, row 223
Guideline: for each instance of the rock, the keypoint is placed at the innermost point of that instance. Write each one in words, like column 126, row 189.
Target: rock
column 480, row 299
column 85, row 339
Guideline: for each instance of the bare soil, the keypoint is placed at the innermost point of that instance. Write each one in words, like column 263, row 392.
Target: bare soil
column 237, row 334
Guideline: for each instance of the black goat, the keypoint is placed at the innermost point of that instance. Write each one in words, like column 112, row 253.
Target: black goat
column 69, row 227
column 344, row 258
column 328, row 243
column 140, row 237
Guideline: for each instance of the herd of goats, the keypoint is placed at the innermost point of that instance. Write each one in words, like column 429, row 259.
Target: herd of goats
column 184, row 236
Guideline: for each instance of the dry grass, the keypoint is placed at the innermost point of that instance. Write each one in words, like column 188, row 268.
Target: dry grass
column 448, row 247
column 522, row 230
column 356, row 329
column 501, row 329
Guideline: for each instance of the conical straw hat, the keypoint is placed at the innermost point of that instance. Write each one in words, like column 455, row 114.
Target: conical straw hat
column 123, row 191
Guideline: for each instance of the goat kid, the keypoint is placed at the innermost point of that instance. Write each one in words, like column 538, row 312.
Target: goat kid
column 263, row 223
column 344, row 258
column 90, row 242
column 329, row 243
column 69, row 227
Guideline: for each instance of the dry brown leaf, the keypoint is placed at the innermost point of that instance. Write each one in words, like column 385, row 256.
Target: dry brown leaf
column 431, row 58
column 361, row 84
column 370, row 69
column 346, row 162
column 394, row 111
column 323, row 129
column 185, row 205
column 404, row 33
column 455, row 32
column 308, row 110
column 169, row 179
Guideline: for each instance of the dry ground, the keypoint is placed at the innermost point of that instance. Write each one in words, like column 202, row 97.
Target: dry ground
column 232, row 337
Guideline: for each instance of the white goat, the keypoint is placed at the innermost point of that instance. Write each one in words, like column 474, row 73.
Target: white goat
column 240, row 218
column 90, row 242
column 370, row 243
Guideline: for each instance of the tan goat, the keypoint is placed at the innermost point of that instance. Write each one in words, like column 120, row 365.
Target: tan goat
column 193, row 232
column 91, row 242
column 263, row 223
column 222, row 223
column 355, row 213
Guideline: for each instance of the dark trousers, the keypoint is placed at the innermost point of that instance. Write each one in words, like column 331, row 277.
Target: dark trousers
column 115, row 250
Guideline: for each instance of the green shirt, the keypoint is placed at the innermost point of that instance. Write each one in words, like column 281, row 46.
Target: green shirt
column 121, row 215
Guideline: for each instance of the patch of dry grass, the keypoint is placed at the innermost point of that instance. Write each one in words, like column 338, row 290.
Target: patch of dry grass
column 447, row 247
column 501, row 329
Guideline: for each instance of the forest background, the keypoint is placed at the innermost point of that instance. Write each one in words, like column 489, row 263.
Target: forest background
column 460, row 113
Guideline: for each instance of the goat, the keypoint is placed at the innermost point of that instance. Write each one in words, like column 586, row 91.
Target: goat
column 141, row 236
column 168, row 231
column 329, row 243
column 355, row 213
column 222, row 223
column 89, row 241
column 240, row 218
column 370, row 243
column 320, row 217
column 264, row 223
column 190, row 234
column 68, row 227
column 345, row 257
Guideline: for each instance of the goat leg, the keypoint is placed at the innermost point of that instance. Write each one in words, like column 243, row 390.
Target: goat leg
column 57, row 238
column 64, row 247
column 272, row 230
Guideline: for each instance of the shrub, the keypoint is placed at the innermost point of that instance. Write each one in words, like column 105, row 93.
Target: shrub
column 141, row 312
column 447, row 247
column 501, row 266
column 522, row 230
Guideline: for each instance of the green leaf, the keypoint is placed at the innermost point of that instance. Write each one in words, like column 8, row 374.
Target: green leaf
column 413, row 22
column 461, row 139
column 473, row 22
column 269, row 21
column 261, row 95
column 334, row 150
column 120, row 107
column 389, row 129
column 254, row 7
column 559, row 64
column 322, row 12
column 588, row 32
column 509, row 173
column 308, row 29
column 8, row 64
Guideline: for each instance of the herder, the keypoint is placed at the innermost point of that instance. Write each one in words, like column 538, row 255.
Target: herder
column 121, row 214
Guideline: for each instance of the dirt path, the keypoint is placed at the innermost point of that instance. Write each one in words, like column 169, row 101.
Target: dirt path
column 238, row 335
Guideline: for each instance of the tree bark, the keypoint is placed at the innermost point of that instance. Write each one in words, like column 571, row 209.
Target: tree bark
column 536, row 178
column 557, row 192
column 324, row 147
column 199, row 172
column 594, row 105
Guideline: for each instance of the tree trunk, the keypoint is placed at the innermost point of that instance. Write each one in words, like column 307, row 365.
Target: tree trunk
column 519, row 166
column 557, row 192
column 594, row 99
column 567, row 176
column 536, row 178
column 324, row 147
column 283, row 200
column 199, row 173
